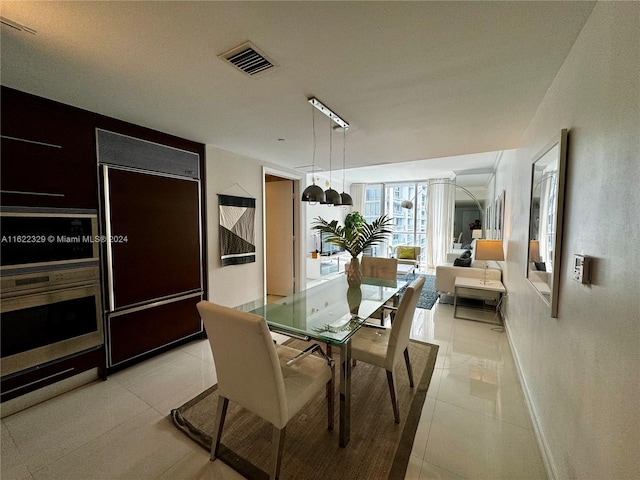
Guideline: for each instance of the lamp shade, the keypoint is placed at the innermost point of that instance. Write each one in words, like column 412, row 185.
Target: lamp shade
column 313, row 193
column 476, row 233
column 534, row 251
column 346, row 199
column 332, row 197
column 407, row 204
column 488, row 250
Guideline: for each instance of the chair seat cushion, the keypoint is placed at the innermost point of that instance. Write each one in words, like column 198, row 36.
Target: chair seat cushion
column 407, row 253
column 370, row 345
column 303, row 379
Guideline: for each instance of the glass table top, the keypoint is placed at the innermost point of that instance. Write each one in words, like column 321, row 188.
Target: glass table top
column 323, row 312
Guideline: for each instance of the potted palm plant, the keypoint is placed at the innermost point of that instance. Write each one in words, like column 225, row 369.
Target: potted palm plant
column 356, row 235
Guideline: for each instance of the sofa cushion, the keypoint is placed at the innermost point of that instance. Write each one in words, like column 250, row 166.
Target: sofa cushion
column 462, row 262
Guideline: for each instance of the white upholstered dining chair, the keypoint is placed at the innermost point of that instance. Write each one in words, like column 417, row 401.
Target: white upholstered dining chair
column 384, row 347
column 274, row 382
column 384, row 269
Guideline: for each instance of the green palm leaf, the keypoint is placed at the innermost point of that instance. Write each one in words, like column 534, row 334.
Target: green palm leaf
column 357, row 238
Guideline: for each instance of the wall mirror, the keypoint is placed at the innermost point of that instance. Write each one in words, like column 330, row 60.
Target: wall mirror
column 545, row 219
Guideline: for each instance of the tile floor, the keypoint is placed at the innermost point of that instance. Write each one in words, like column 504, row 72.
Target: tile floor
column 474, row 424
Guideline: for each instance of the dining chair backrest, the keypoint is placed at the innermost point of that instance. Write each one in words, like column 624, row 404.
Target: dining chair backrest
column 246, row 361
column 401, row 326
column 379, row 267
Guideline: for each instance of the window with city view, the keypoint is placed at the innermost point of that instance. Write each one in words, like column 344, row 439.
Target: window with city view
column 409, row 225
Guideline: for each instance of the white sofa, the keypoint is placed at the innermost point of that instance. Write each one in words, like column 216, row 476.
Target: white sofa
column 446, row 274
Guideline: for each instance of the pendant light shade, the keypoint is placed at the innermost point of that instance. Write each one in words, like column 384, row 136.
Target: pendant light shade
column 313, row 193
column 346, row 199
column 332, row 197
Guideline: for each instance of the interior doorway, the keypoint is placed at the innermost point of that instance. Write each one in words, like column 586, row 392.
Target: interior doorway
column 280, row 226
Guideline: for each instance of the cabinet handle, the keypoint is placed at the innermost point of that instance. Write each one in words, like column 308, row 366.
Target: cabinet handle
column 40, row 380
column 31, row 141
column 42, row 194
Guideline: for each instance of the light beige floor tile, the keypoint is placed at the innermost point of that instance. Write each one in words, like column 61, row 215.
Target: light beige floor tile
column 197, row 466
column 142, row 448
column 433, row 472
column 13, row 466
column 52, row 429
column 477, row 446
column 434, row 385
column 172, row 384
column 143, row 369
column 413, row 468
column 422, row 433
column 199, row 349
column 480, row 387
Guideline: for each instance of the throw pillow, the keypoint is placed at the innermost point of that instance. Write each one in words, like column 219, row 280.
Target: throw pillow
column 408, row 253
column 540, row 266
column 466, row 254
column 462, row 262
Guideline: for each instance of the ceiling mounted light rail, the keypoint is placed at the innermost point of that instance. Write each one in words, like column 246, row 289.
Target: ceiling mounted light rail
column 328, row 112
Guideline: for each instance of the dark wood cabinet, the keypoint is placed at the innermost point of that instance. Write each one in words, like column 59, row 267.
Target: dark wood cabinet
column 47, row 154
column 140, row 332
column 49, row 160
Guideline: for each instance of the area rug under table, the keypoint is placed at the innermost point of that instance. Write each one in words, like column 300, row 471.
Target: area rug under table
column 379, row 448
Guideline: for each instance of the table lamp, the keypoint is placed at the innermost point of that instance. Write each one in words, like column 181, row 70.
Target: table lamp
column 476, row 233
column 534, row 250
column 488, row 250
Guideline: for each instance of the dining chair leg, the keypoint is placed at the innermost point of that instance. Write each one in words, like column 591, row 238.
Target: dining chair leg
column 277, row 442
column 221, row 413
column 394, row 400
column 408, row 363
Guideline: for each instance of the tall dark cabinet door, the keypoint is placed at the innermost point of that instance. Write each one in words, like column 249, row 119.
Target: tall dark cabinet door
column 154, row 225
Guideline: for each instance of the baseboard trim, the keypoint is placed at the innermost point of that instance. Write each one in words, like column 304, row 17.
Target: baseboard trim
column 543, row 445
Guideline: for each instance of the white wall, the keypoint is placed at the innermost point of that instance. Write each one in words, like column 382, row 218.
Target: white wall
column 582, row 369
column 229, row 173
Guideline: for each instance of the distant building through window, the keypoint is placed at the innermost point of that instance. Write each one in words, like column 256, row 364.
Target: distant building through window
column 409, row 226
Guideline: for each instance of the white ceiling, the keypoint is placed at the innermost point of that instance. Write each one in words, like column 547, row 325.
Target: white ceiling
column 416, row 80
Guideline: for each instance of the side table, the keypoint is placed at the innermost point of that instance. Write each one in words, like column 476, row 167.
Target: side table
column 474, row 288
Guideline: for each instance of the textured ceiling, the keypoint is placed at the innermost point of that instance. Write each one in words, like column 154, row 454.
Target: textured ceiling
column 416, row 80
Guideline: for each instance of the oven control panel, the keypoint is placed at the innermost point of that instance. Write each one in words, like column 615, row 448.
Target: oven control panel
column 46, row 280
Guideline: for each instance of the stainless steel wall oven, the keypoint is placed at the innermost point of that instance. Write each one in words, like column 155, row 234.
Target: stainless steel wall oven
column 38, row 237
column 51, row 307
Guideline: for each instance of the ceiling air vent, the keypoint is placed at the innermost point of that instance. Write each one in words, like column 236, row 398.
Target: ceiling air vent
column 249, row 59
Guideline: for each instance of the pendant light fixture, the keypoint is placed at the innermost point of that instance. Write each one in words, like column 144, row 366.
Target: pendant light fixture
column 332, row 197
column 344, row 197
column 313, row 193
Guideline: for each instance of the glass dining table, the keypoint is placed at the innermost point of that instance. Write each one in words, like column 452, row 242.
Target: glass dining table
column 332, row 313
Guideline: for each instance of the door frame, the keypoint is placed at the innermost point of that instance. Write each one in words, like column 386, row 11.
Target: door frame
column 299, row 268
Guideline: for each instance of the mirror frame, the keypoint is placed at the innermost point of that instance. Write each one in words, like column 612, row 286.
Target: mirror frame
column 559, row 141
